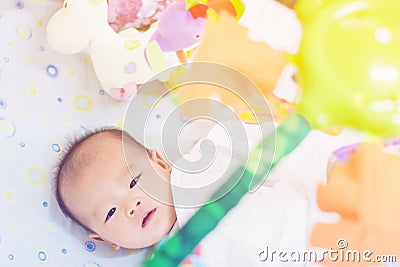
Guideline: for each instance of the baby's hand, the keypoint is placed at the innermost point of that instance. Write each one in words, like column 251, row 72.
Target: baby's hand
column 365, row 191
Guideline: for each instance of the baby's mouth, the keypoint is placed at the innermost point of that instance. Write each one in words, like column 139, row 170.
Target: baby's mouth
column 147, row 217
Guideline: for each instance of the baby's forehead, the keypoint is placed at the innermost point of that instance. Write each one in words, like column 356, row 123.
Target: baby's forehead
column 107, row 142
column 86, row 152
column 102, row 141
column 103, row 136
column 100, row 147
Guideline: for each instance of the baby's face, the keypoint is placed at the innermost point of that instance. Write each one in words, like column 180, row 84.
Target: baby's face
column 107, row 198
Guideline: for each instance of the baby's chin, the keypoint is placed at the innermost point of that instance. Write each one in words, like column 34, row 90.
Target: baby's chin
column 145, row 243
column 142, row 245
column 158, row 232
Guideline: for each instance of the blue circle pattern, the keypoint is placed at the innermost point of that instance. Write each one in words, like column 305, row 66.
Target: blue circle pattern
column 10, row 257
column 64, row 251
column 19, row 4
column 3, row 103
column 52, row 71
column 42, row 256
column 56, row 148
column 59, row 100
column 90, row 246
column 21, row 144
column 45, row 204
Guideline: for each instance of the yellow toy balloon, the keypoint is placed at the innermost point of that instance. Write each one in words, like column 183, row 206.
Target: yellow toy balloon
column 349, row 66
column 307, row 9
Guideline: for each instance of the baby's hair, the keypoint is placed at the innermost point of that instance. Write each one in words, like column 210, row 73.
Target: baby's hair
column 71, row 151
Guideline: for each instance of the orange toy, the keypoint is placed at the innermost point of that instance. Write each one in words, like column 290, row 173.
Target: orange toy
column 365, row 191
column 288, row 3
column 220, row 5
column 226, row 42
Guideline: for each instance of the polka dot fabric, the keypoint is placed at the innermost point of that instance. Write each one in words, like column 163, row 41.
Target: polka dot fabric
column 45, row 98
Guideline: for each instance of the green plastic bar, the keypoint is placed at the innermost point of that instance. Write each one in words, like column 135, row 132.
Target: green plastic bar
column 288, row 135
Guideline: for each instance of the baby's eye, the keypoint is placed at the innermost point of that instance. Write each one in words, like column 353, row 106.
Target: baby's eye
column 110, row 213
column 134, row 181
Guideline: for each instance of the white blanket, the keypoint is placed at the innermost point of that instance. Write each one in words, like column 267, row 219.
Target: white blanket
column 278, row 216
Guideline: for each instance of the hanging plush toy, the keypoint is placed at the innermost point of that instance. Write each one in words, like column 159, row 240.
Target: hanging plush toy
column 120, row 60
column 181, row 25
column 224, row 43
column 179, row 29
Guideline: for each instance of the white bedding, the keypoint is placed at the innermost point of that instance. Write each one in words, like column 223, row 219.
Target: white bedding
column 44, row 99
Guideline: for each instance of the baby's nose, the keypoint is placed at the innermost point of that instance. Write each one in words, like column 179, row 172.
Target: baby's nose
column 132, row 206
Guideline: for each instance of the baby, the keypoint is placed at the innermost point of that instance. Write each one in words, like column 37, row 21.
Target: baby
column 97, row 190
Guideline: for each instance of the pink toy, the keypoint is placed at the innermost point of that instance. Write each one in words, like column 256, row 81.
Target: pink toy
column 121, row 12
column 139, row 14
column 179, row 28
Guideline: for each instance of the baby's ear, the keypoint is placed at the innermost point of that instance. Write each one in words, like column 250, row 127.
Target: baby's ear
column 99, row 239
column 155, row 156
